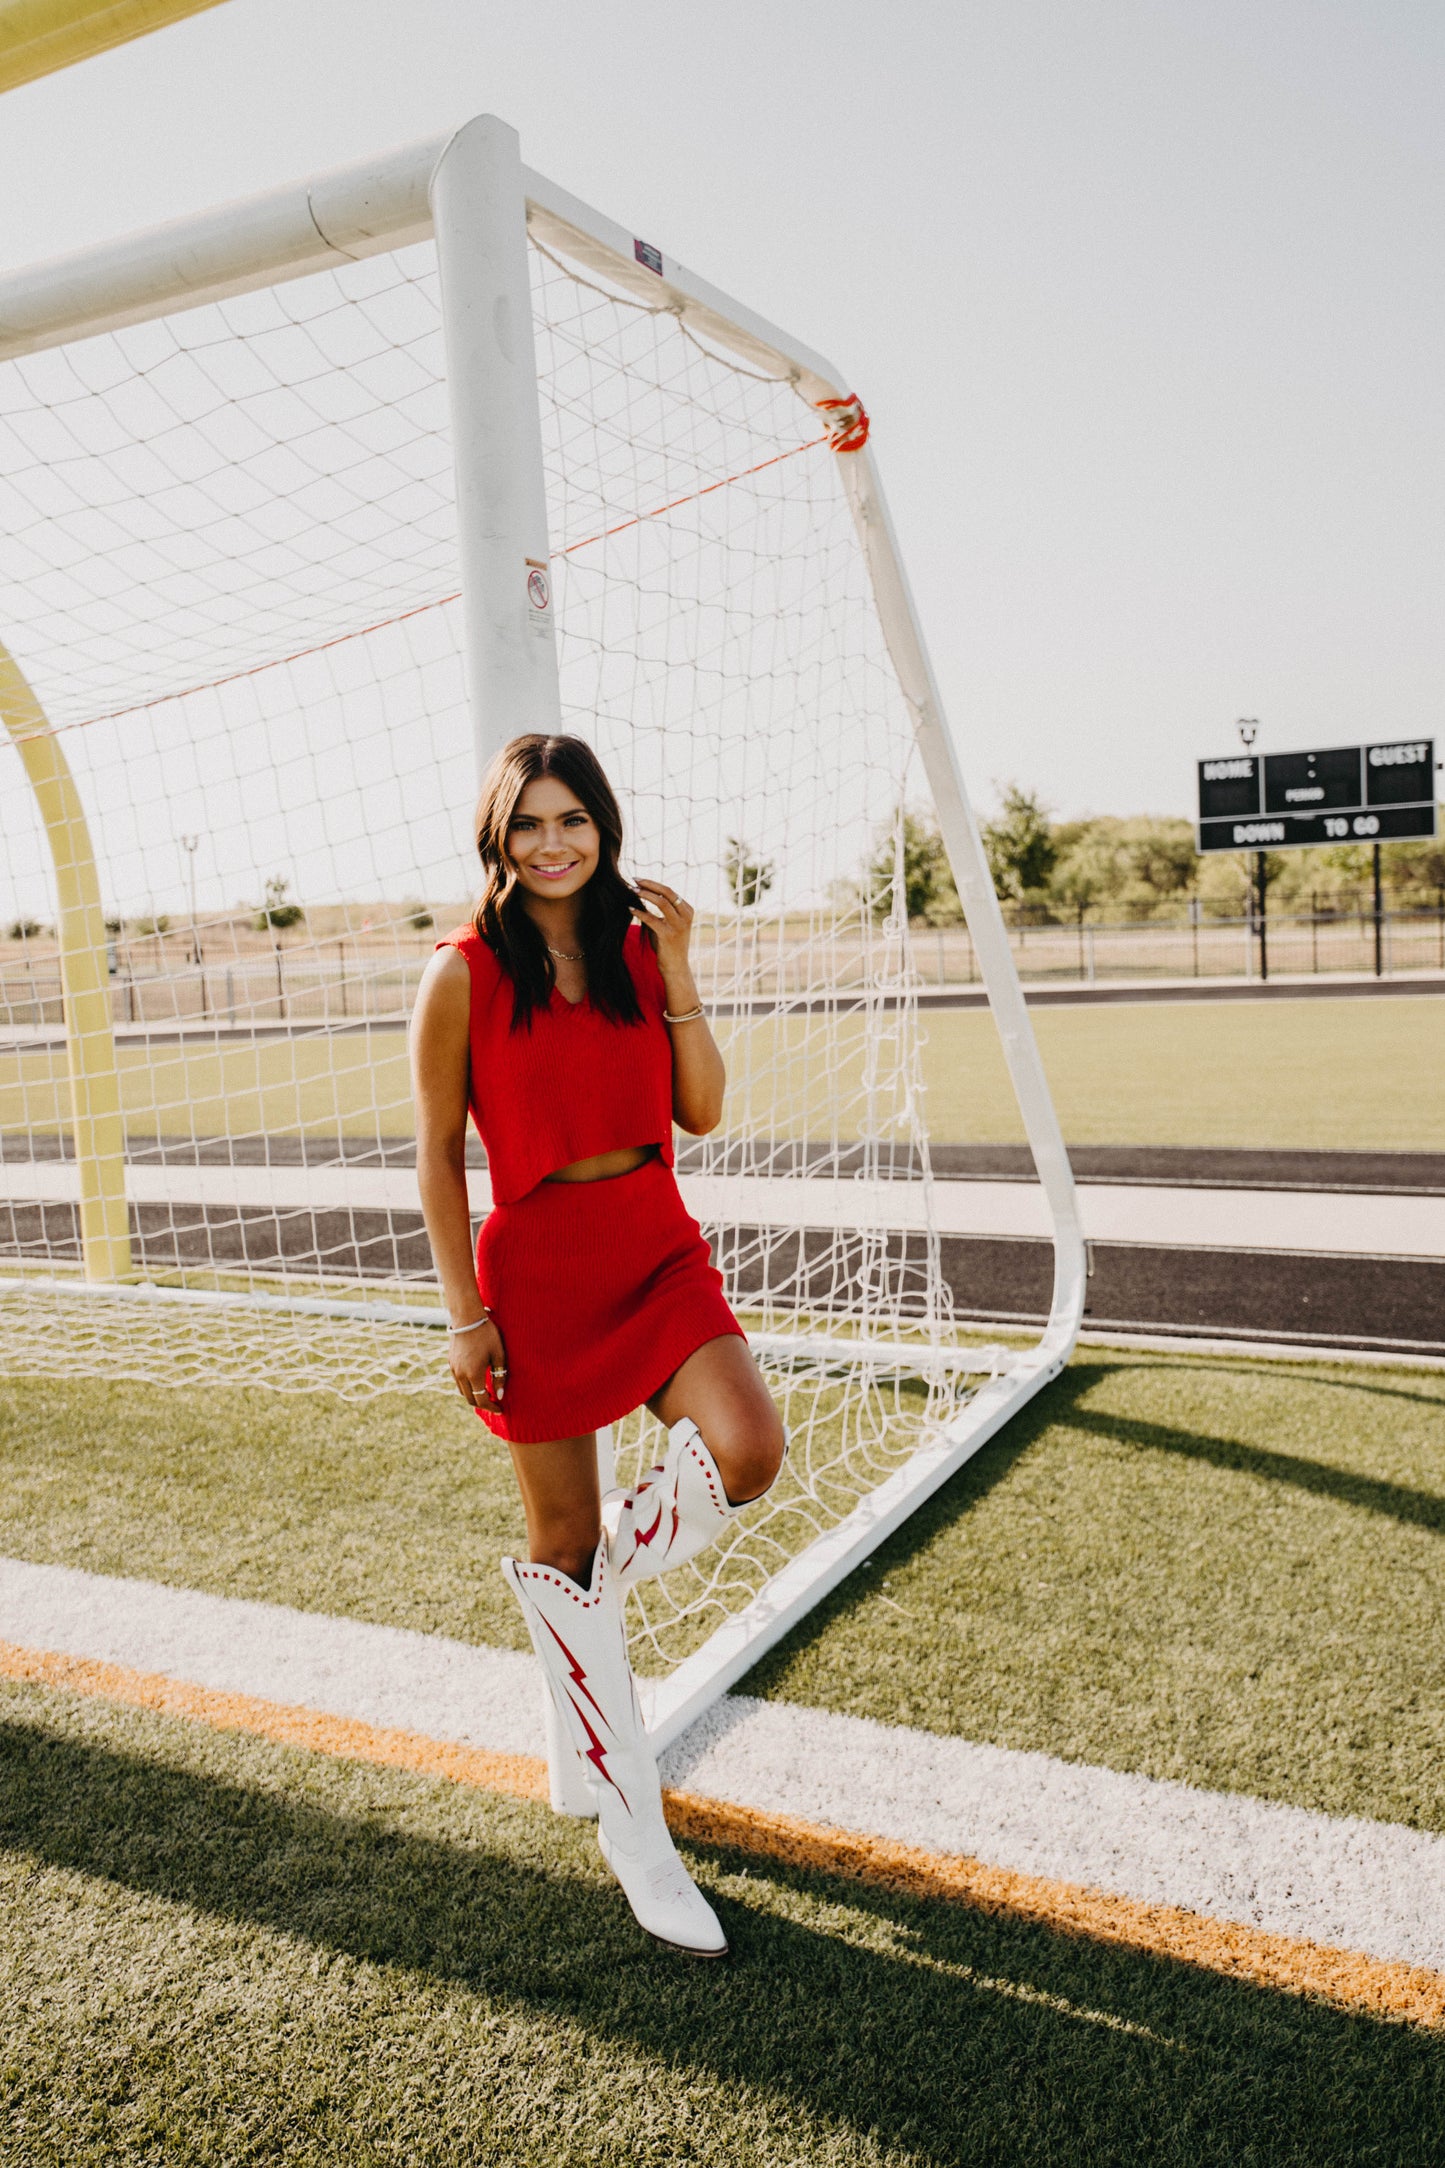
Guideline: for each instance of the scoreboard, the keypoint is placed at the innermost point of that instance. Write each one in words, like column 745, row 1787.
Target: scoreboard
column 1345, row 794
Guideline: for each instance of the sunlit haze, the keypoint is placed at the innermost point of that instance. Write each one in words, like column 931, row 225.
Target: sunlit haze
column 1144, row 301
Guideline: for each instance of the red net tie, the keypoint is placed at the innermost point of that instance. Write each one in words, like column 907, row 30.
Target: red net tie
column 847, row 422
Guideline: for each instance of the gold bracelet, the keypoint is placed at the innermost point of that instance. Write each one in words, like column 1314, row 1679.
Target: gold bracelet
column 691, row 1016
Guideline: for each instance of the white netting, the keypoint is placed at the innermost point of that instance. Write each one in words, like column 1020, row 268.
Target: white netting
column 228, row 570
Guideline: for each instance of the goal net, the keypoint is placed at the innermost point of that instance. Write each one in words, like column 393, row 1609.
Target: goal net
column 229, row 576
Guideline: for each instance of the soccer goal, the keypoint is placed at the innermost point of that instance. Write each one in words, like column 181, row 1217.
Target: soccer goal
column 306, row 505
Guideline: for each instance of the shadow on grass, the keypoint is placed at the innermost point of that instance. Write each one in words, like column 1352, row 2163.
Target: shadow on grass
column 1270, row 1369
column 1316, row 1379
column 1062, row 1401
column 973, row 1482
column 1028, row 2047
column 1396, row 1501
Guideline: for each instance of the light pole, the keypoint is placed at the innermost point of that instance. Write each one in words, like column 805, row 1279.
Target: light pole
column 190, row 844
column 1248, row 728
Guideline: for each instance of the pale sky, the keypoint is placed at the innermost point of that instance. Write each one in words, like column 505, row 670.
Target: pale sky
column 1144, row 300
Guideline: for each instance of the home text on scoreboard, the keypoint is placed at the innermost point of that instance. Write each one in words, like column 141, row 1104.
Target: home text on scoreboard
column 1344, row 794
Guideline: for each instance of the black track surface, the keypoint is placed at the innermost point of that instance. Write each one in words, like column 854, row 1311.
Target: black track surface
column 1326, row 1300
column 1348, row 1302
column 1387, row 1303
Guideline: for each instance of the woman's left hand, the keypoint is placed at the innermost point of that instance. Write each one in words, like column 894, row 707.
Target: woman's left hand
column 669, row 922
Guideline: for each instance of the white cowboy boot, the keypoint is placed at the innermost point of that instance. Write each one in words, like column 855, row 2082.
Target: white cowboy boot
column 567, row 1785
column 676, row 1511
column 578, row 1636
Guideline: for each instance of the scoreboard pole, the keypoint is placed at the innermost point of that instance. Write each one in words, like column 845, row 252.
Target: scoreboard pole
column 1379, row 919
column 1261, row 883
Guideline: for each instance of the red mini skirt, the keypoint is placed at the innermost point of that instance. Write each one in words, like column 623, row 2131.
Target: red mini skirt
column 600, row 1290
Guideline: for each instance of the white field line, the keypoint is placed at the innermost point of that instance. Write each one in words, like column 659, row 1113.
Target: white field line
column 1296, row 1220
column 1346, row 1883
column 382, row 1675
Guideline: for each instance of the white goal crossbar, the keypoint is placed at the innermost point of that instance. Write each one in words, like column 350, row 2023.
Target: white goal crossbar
column 471, row 193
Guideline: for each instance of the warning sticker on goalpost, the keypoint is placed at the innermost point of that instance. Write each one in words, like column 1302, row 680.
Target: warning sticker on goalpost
column 539, row 593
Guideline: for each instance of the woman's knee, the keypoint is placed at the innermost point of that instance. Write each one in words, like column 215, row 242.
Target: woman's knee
column 749, row 1452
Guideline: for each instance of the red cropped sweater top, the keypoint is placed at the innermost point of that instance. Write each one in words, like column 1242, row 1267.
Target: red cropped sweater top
column 573, row 1085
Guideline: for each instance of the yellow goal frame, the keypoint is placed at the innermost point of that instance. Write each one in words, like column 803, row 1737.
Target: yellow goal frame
column 39, row 36
column 96, row 1120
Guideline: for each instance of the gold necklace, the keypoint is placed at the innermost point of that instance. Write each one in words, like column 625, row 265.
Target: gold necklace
column 565, row 955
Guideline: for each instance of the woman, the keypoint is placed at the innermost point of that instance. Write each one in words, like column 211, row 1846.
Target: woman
column 566, row 1019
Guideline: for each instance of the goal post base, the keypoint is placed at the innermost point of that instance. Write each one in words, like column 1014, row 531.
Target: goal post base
column 670, row 1705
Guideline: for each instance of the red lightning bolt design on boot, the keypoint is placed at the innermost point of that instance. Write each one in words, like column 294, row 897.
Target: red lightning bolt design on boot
column 676, row 1510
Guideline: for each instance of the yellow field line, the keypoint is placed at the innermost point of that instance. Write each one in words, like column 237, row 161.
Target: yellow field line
column 1345, row 1978
column 519, row 1774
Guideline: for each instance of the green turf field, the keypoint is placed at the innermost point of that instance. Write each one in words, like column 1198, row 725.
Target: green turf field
column 1217, row 1569
column 348, row 1083
column 1318, row 1073
column 1209, row 1568
column 214, row 1952
column 1327, row 1075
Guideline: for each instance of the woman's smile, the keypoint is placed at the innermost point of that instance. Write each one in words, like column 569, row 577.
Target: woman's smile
column 551, row 818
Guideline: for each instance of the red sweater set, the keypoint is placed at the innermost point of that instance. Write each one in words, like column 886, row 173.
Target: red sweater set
column 600, row 1289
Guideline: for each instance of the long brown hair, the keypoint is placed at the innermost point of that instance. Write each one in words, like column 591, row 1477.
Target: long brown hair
column 607, row 902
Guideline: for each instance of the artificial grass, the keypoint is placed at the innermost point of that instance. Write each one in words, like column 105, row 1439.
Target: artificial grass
column 1210, row 1568
column 1317, row 1073
column 1312, row 1074
column 1215, row 1569
column 395, row 1511
column 215, row 1951
column 352, row 1083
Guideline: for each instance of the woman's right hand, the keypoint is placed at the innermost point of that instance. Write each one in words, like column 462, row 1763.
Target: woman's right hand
column 472, row 1355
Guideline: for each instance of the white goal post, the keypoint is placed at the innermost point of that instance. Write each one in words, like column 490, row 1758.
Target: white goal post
column 489, row 216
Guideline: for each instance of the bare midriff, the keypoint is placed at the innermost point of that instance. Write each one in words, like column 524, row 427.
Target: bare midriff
column 606, row 1166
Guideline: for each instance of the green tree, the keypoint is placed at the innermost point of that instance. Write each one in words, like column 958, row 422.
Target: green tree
column 1131, row 866
column 748, row 878
column 417, row 917
column 1083, row 876
column 277, row 912
column 929, row 893
column 1160, row 855
column 1419, row 865
column 1020, row 846
column 1341, row 878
